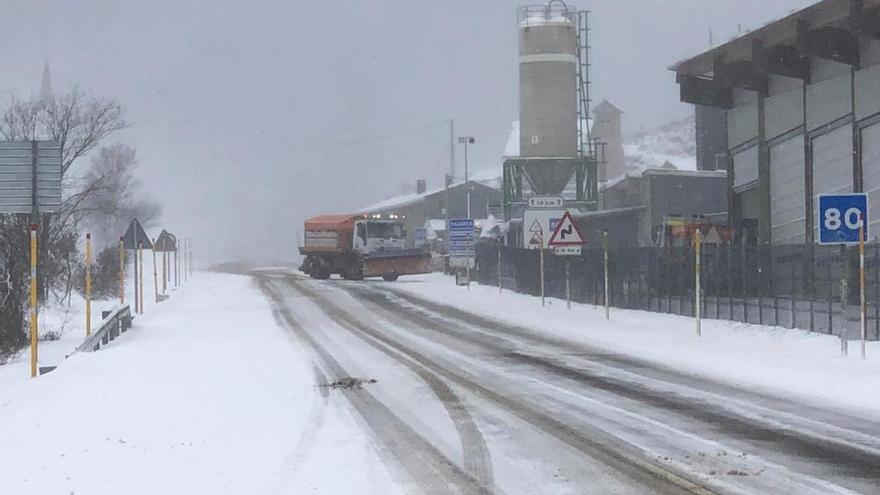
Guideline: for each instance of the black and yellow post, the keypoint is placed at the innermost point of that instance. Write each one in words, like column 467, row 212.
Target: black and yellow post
column 34, row 323
column 88, row 284
column 155, row 274
column 140, row 281
column 121, row 271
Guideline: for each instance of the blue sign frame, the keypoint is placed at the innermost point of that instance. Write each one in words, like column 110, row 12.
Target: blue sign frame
column 461, row 237
column 840, row 216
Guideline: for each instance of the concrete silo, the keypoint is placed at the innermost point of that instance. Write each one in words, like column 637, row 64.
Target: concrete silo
column 557, row 157
column 547, row 81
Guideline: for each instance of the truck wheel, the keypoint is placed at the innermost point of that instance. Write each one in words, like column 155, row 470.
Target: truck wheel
column 353, row 274
column 390, row 277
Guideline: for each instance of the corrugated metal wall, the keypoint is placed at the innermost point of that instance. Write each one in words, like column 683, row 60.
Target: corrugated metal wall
column 787, row 184
column 832, row 165
column 870, row 137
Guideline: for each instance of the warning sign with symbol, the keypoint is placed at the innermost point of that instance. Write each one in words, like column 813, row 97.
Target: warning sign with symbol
column 536, row 227
column 567, row 233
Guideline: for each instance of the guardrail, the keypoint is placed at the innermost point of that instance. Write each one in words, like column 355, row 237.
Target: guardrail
column 115, row 322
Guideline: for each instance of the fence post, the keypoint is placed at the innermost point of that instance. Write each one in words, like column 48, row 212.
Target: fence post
column 792, row 294
column 697, row 286
column 605, row 269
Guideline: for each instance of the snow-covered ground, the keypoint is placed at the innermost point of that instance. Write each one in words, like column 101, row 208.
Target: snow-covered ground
column 205, row 394
column 774, row 360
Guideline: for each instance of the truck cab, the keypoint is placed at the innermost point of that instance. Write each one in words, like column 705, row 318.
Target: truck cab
column 373, row 236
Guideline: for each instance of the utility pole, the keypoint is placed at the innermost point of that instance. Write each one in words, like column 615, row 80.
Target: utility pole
column 452, row 147
column 466, row 140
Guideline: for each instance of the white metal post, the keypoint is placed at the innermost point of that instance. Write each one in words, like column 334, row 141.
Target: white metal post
column 568, row 282
column 698, row 299
column 862, row 305
column 605, row 261
column 499, row 269
column 541, row 263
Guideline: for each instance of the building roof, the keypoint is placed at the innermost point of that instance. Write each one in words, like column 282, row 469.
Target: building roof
column 412, row 198
column 778, row 32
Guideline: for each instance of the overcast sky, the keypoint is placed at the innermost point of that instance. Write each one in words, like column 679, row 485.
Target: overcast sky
column 250, row 116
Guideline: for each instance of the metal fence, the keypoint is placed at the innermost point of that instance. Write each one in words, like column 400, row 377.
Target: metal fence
column 811, row 287
column 114, row 323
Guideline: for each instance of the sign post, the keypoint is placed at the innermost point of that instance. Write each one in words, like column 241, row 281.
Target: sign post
column 461, row 245
column 862, row 305
column 843, row 219
column 567, row 240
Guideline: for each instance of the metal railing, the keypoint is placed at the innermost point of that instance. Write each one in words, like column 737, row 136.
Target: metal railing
column 553, row 11
column 115, row 322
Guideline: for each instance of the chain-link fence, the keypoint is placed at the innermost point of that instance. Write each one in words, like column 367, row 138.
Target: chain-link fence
column 811, row 287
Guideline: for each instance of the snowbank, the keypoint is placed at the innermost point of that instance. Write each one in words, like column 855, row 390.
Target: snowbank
column 795, row 363
column 206, row 394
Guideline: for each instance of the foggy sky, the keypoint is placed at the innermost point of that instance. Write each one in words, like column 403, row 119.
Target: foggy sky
column 250, row 116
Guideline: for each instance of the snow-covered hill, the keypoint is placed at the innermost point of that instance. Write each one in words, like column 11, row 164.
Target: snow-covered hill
column 674, row 143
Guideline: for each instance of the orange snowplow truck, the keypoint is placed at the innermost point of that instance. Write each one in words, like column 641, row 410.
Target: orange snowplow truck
column 358, row 246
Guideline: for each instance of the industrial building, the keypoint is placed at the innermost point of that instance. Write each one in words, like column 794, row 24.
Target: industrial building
column 639, row 210
column 423, row 206
column 801, row 101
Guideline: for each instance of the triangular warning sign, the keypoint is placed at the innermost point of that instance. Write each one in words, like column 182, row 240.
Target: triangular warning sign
column 536, row 240
column 536, row 227
column 567, row 233
column 135, row 236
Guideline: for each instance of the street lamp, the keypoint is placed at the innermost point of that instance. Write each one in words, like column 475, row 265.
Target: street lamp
column 466, row 140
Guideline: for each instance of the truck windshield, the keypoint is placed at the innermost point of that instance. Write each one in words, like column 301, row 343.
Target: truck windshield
column 385, row 230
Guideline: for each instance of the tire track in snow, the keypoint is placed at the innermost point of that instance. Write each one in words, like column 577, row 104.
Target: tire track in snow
column 475, row 453
column 423, row 462
column 313, row 425
column 598, row 445
column 860, row 461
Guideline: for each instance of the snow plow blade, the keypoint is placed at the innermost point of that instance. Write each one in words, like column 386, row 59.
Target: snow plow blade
column 397, row 264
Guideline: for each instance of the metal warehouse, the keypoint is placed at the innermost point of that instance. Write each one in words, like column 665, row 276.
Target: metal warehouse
column 802, row 103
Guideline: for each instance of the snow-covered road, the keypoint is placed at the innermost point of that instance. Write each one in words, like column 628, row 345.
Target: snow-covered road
column 464, row 403
column 271, row 382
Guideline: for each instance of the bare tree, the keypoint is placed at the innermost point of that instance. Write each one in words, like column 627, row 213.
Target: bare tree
column 113, row 194
column 79, row 122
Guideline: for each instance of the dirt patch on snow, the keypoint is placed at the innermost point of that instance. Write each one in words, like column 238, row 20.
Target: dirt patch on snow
column 347, row 383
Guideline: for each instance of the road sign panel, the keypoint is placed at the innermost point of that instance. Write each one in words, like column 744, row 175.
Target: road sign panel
column 545, row 219
column 135, row 237
column 567, row 233
column 567, row 250
column 20, row 161
column 461, row 237
column 546, row 202
column 841, row 216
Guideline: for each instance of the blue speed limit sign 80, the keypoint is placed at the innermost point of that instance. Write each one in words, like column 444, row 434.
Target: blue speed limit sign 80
column 841, row 216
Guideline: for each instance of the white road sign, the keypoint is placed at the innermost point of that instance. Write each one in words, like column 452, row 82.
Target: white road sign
column 567, row 250
column 538, row 224
column 546, row 202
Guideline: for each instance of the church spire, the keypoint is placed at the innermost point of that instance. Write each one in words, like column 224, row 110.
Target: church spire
column 46, row 87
